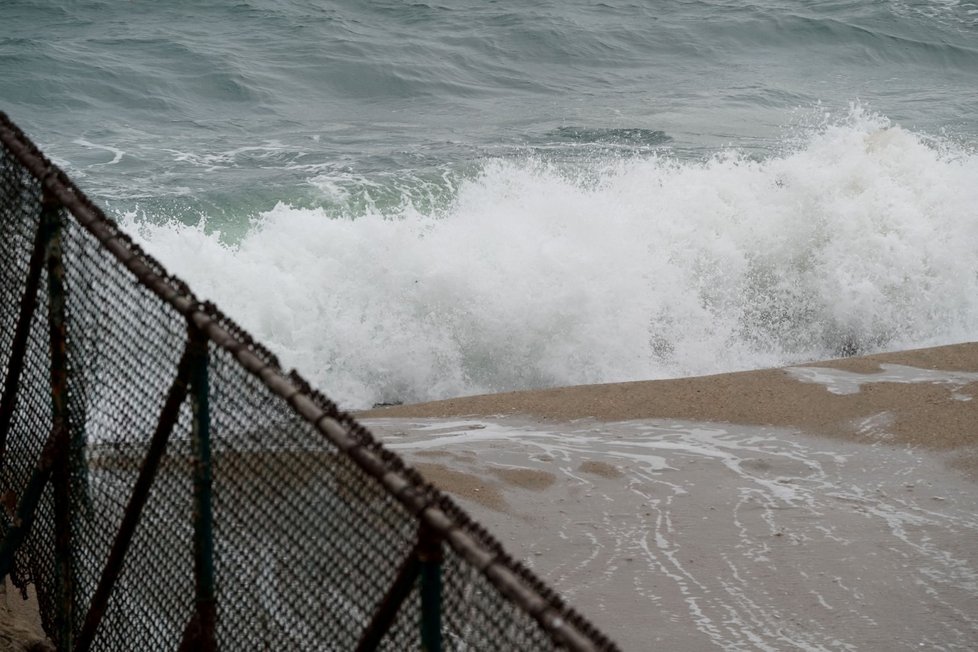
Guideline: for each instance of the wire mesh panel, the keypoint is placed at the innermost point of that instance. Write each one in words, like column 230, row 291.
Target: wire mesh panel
column 306, row 542
column 19, row 213
column 125, row 346
column 166, row 485
column 477, row 617
column 152, row 599
column 26, row 421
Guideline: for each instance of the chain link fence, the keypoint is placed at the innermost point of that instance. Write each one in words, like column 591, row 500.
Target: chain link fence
column 166, row 485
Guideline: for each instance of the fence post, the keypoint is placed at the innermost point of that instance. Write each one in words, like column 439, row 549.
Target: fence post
column 430, row 554
column 61, row 463
column 199, row 634
column 61, row 470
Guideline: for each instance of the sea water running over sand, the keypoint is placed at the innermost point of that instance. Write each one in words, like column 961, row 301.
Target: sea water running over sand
column 843, row 382
column 411, row 201
column 696, row 536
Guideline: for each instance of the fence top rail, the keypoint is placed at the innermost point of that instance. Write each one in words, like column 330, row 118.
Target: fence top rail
column 470, row 540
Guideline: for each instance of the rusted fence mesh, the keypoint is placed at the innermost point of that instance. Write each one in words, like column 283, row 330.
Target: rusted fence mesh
column 165, row 484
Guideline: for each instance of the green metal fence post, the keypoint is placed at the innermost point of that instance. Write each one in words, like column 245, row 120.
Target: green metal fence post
column 199, row 634
column 430, row 554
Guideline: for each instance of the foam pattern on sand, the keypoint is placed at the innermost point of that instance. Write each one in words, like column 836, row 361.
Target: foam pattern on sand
column 841, row 382
column 688, row 536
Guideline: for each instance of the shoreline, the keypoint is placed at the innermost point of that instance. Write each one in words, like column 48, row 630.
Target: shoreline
column 827, row 504
column 937, row 412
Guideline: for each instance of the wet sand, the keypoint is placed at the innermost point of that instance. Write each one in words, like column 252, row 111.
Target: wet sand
column 824, row 507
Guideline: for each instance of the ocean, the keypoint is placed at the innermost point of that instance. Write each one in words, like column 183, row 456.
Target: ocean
column 412, row 200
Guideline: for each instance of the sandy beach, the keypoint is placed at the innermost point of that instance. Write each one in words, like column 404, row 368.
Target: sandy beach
column 827, row 506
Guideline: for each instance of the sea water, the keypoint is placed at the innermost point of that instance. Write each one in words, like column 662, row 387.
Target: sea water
column 410, row 201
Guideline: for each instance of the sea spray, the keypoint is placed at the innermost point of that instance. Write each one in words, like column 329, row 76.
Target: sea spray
column 861, row 236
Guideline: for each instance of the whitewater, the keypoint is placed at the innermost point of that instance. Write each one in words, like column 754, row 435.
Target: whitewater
column 855, row 235
column 412, row 201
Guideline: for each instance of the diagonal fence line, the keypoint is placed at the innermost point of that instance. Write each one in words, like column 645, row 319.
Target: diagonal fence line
column 378, row 561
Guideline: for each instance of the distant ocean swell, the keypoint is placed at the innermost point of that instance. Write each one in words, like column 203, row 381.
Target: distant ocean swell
column 860, row 236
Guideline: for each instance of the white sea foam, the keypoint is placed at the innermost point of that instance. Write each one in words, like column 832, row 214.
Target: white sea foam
column 739, row 537
column 862, row 237
column 117, row 153
column 841, row 382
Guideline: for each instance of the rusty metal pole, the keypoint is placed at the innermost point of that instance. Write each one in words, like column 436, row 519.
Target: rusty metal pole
column 61, row 470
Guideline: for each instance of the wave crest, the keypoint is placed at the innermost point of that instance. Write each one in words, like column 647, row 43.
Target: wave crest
column 861, row 237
